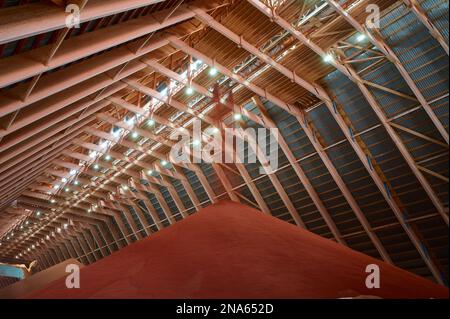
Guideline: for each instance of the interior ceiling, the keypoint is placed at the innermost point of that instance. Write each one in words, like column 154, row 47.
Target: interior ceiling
column 86, row 116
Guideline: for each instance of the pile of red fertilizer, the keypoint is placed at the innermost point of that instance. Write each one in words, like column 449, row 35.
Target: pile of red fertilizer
column 229, row 250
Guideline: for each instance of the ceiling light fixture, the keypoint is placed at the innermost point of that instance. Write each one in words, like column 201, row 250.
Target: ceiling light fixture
column 189, row 91
column 130, row 121
column 213, row 71
column 361, row 37
column 328, row 58
column 116, row 132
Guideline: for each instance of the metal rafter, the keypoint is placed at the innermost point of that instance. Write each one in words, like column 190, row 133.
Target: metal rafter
column 421, row 14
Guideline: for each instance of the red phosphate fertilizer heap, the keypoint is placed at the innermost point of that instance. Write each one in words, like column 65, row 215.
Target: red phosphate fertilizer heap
column 229, row 250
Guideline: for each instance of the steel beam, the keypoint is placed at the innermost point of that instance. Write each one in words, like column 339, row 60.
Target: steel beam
column 31, row 19
column 377, row 40
column 421, row 14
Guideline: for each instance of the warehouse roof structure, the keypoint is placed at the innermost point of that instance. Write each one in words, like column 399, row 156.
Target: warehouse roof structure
column 89, row 108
